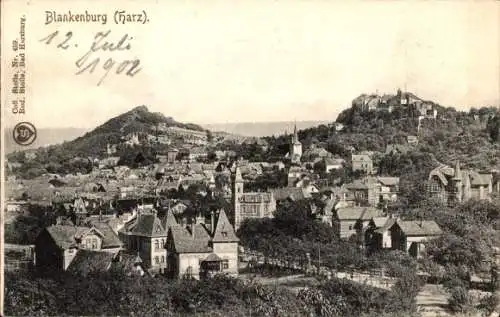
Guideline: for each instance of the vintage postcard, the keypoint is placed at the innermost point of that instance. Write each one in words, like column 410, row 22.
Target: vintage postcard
column 250, row 158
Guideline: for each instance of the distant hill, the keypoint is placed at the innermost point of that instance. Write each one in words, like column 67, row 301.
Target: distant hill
column 45, row 137
column 261, row 129
column 138, row 121
column 128, row 134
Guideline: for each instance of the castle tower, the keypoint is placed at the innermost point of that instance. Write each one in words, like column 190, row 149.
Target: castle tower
column 457, row 182
column 295, row 146
column 236, row 194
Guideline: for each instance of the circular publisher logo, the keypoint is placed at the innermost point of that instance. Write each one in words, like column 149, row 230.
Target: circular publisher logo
column 24, row 133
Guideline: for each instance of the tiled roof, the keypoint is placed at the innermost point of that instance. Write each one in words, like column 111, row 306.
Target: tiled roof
column 148, row 225
column 110, row 239
column 387, row 225
column 477, row 179
column 295, row 193
column 361, row 184
column 388, row 181
column 169, row 220
column 224, row 231
column 86, row 262
column 184, row 242
column 380, row 221
column 64, row 236
column 355, row 213
column 361, row 157
column 420, row 228
column 125, row 262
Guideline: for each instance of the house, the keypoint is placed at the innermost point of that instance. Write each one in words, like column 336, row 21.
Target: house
column 388, row 188
column 294, row 174
column 362, row 162
column 56, row 246
column 377, row 234
column 201, row 251
column 365, row 191
column 109, row 162
column 172, row 155
column 410, row 236
column 146, row 234
column 307, row 186
column 352, row 220
column 452, row 185
column 314, row 153
column 333, row 163
column 249, row 204
column 196, row 154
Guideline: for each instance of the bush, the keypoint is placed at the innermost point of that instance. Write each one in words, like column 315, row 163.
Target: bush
column 460, row 300
column 488, row 304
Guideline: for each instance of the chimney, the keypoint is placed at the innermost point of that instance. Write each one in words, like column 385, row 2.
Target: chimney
column 212, row 221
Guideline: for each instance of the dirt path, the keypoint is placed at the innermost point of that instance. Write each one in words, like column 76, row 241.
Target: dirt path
column 432, row 301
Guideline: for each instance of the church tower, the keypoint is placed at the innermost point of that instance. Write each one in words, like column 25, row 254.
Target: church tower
column 295, row 147
column 237, row 193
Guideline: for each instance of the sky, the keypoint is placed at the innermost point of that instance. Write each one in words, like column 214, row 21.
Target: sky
column 244, row 61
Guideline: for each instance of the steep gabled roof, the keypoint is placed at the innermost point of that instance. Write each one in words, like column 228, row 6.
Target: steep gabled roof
column 224, row 231
column 126, row 262
column 169, row 220
column 109, row 238
column 388, row 224
column 357, row 213
column 86, row 262
column 182, row 241
column 480, row 179
column 419, row 228
column 379, row 221
column 64, row 236
column 148, row 225
column 388, row 181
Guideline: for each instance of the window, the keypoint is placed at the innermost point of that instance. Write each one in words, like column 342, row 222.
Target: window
column 225, row 264
column 157, row 260
column 189, row 272
column 157, row 244
column 162, row 259
column 350, row 227
column 434, row 187
column 94, row 243
column 224, row 234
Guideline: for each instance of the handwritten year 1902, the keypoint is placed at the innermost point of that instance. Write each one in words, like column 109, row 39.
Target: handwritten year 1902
column 91, row 59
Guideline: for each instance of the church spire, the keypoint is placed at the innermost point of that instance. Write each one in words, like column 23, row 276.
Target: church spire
column 295, row 135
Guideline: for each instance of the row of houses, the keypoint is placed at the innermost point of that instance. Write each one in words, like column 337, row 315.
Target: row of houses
column 145, row 244
column 376, row 231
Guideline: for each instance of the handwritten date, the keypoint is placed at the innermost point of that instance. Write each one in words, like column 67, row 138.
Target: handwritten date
column 92, row 60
